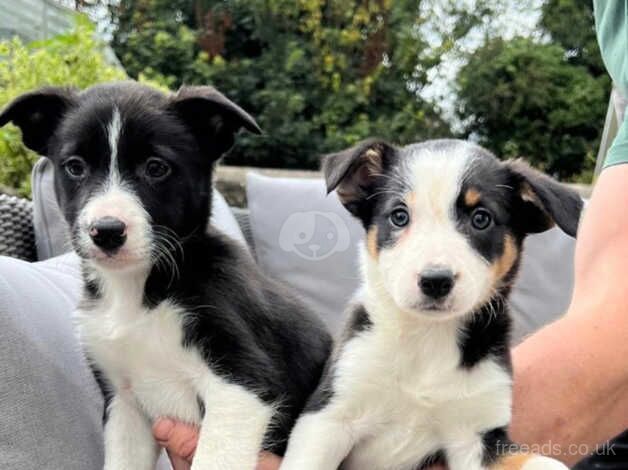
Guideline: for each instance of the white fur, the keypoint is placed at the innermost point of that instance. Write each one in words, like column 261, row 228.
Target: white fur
column 399, row 393
column 399, row 396
column 432, row 239
column 113, row 135
column 543, row 463
column 141, row 353
column 119, row 202
column 115, row 199
column 128, row 437
column 153, row 375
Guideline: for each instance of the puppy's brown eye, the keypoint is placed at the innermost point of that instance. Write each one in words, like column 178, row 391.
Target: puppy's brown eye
column 481, row 219
column 400, row 217
column 157, row 169
column 75, row 167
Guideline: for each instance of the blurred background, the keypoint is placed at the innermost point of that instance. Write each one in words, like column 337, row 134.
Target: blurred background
column 523, row 78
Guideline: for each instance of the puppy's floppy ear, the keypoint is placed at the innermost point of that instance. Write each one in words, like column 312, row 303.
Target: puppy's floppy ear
column 38, row 114
column 213, row 118
column 544, row 201
column 353, row 172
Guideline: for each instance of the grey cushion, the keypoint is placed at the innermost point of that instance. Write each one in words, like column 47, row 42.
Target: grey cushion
column 290, row 215
column 543, row 289
column 51, row 231
column 307, row 240
column 50, row 405
column 51, row 408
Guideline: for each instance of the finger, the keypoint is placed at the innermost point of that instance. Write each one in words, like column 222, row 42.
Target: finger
column 179, row 463
column 268, row 461
column 178, row 438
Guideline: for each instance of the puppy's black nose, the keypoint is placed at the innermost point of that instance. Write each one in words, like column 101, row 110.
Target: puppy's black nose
column 436, row 283
column 108, row 233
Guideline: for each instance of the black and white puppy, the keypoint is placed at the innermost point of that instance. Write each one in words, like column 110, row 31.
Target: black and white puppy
column 422, row 372
column 179, row 322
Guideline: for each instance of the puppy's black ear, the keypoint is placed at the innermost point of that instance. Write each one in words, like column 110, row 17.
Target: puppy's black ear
column 38, row 114
column 354, row 171
column 544, row 201
column 213, row 119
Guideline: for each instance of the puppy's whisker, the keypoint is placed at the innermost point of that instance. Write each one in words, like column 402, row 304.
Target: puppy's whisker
column 384, row 191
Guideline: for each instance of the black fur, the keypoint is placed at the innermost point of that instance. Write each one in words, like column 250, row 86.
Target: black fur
column 356, row 175
column 486, row 333
column 437, row 458
column 359, row 321
column 496, row 443
column 324, row 391
column 250, row 330
column 371, row 183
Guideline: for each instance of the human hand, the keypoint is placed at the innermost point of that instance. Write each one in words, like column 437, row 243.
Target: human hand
column 180, row 441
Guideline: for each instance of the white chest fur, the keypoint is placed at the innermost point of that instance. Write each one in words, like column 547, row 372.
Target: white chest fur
column 408, row 397
column 141, row 353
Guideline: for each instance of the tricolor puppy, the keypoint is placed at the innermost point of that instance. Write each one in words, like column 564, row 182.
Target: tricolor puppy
column 178, row 321
column 422, row 372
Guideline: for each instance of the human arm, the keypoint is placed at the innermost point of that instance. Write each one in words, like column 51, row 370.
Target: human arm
column 180, row 440
column 571, row 377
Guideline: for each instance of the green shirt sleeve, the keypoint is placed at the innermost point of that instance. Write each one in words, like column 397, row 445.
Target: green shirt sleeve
column 611, row 24
column 618, row 152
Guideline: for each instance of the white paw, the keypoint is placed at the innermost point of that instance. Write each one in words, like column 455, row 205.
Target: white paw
column 543, row 463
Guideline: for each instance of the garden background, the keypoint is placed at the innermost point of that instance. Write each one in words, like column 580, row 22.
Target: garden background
column 523, row 78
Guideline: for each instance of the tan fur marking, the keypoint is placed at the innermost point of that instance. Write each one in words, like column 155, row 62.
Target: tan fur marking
column 370, row 165
column 371, row 242
column 503, row 264
column 472, row 197
column 528, row 194
column 373, row 157
column 511, row 461
column 410, row 199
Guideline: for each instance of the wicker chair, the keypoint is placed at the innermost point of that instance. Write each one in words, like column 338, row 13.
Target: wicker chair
column 17, row 236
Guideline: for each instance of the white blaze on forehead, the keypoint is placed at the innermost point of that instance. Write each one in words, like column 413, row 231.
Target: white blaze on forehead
column 436, row 178
column 113, row 134
column 116, row 199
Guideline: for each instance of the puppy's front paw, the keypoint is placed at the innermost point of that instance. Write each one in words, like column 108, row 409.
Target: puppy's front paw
column 539, row 462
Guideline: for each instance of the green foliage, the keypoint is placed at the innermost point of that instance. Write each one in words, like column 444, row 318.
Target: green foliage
column 317, row 75
column 571, row 24
column 73, row 59
column 537, row 101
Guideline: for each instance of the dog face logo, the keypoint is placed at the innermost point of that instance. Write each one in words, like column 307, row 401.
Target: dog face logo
column 314, row 235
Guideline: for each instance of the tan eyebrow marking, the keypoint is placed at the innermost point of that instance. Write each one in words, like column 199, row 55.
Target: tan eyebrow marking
column 410, row 199
column 472, row 197
column 502, row 265
column 371, row 242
